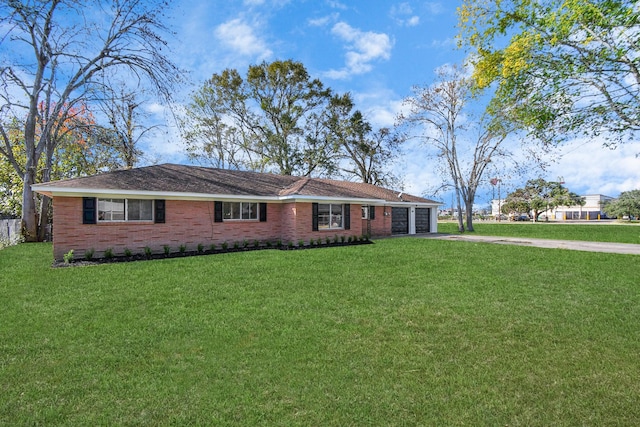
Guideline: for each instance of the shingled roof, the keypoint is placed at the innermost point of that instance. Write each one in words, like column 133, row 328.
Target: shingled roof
column 195, row 180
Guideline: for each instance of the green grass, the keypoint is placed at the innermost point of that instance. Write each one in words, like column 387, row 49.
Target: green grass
column 402, row 332
column 619, row 233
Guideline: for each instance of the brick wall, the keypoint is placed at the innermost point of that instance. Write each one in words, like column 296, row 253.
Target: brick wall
column 297, row 224
column 381, row 225
column 187, row 223
column 191, row 223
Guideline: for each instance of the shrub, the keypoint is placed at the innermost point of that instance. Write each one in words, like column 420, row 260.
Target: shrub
column 236, row 245
column 88, row 254
column 300, row 243
column 335, row 239
column 225, row 245
column 147, row 252
column 327, row 239
column 290, row 244
column 68, row 257
column 278, row 243
column 350, row 239
column 108, row 253
column 182, row 249
column 200, row 247
column 269, row 244
column 245, row 243
column 167, row 249
column 127, row 252
column 256, row 244
column 342, row 239
column 212, row 247
column 311, row 242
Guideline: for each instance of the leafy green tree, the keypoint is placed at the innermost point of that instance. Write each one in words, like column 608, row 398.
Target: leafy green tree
column 561, row 68
column 627, row 204
column 10, row 187
column 277, row 118
column 271, row 120
column 516, row 203
column 539, row 196
column 78, row 152
column 56, row 54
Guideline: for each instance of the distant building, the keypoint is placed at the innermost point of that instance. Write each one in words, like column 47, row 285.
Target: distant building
column 592, row 209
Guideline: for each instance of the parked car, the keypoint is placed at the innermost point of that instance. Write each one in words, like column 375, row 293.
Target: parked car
column 522, row 217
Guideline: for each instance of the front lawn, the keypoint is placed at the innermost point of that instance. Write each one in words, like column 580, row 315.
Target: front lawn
column 406, row 331
column 592, row 232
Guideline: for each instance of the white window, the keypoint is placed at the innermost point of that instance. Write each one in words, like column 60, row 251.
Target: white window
column 239, row 210
column 329, row 216
column 365, row 212
column 125, row 210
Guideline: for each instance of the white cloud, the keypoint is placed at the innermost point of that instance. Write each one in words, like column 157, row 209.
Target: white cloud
column 403, row 14
column 336, row 4
column 413, row 21
column 363, row 47
column 589, row 168
column 240, row 37
column 323, row 21
column 448, row 43
column 435, row 8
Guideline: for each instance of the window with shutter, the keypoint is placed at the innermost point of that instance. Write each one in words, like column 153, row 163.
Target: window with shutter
column 89, row 210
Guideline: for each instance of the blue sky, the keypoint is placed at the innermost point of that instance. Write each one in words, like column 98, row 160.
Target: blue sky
column 376, row 50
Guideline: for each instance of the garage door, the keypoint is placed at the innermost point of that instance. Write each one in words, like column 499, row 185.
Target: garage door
column 399, row 220
column 422, row 220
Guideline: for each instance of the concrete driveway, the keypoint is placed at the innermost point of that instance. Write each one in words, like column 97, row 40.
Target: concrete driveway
column 576, row 245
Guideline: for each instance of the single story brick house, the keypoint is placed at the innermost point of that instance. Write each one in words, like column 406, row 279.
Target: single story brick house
column 173, row 205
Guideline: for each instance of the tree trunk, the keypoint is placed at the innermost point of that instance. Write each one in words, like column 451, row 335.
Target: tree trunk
column 45, row 208
column 469, row 207
column 45, row 205
column 29, row 217
column 460, row 220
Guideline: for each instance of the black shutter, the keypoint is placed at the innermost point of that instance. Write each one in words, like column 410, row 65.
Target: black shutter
column 372, row 212
column 314, row 217
column 263, row 212
column 160, row 211
column 217, row 211
column 347, row 216
column 89, row 210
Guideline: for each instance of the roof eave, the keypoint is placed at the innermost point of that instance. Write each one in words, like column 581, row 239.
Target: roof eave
column 115, row 193
column 53, row 191
column 325, row 199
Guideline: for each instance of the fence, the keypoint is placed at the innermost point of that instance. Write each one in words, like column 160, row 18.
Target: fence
column 9, row 232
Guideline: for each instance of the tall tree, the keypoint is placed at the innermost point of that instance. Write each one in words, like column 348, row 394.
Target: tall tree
column 123, row 108
column 562, row 68
column 464, row 150
column 288, row 98
column 56, row 53
column 367, row 154
column 269, row 121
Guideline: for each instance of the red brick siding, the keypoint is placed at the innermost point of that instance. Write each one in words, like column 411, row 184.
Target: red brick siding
column 297, row 224
column 381, row 225
column 191, row 223
column 187, row 223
